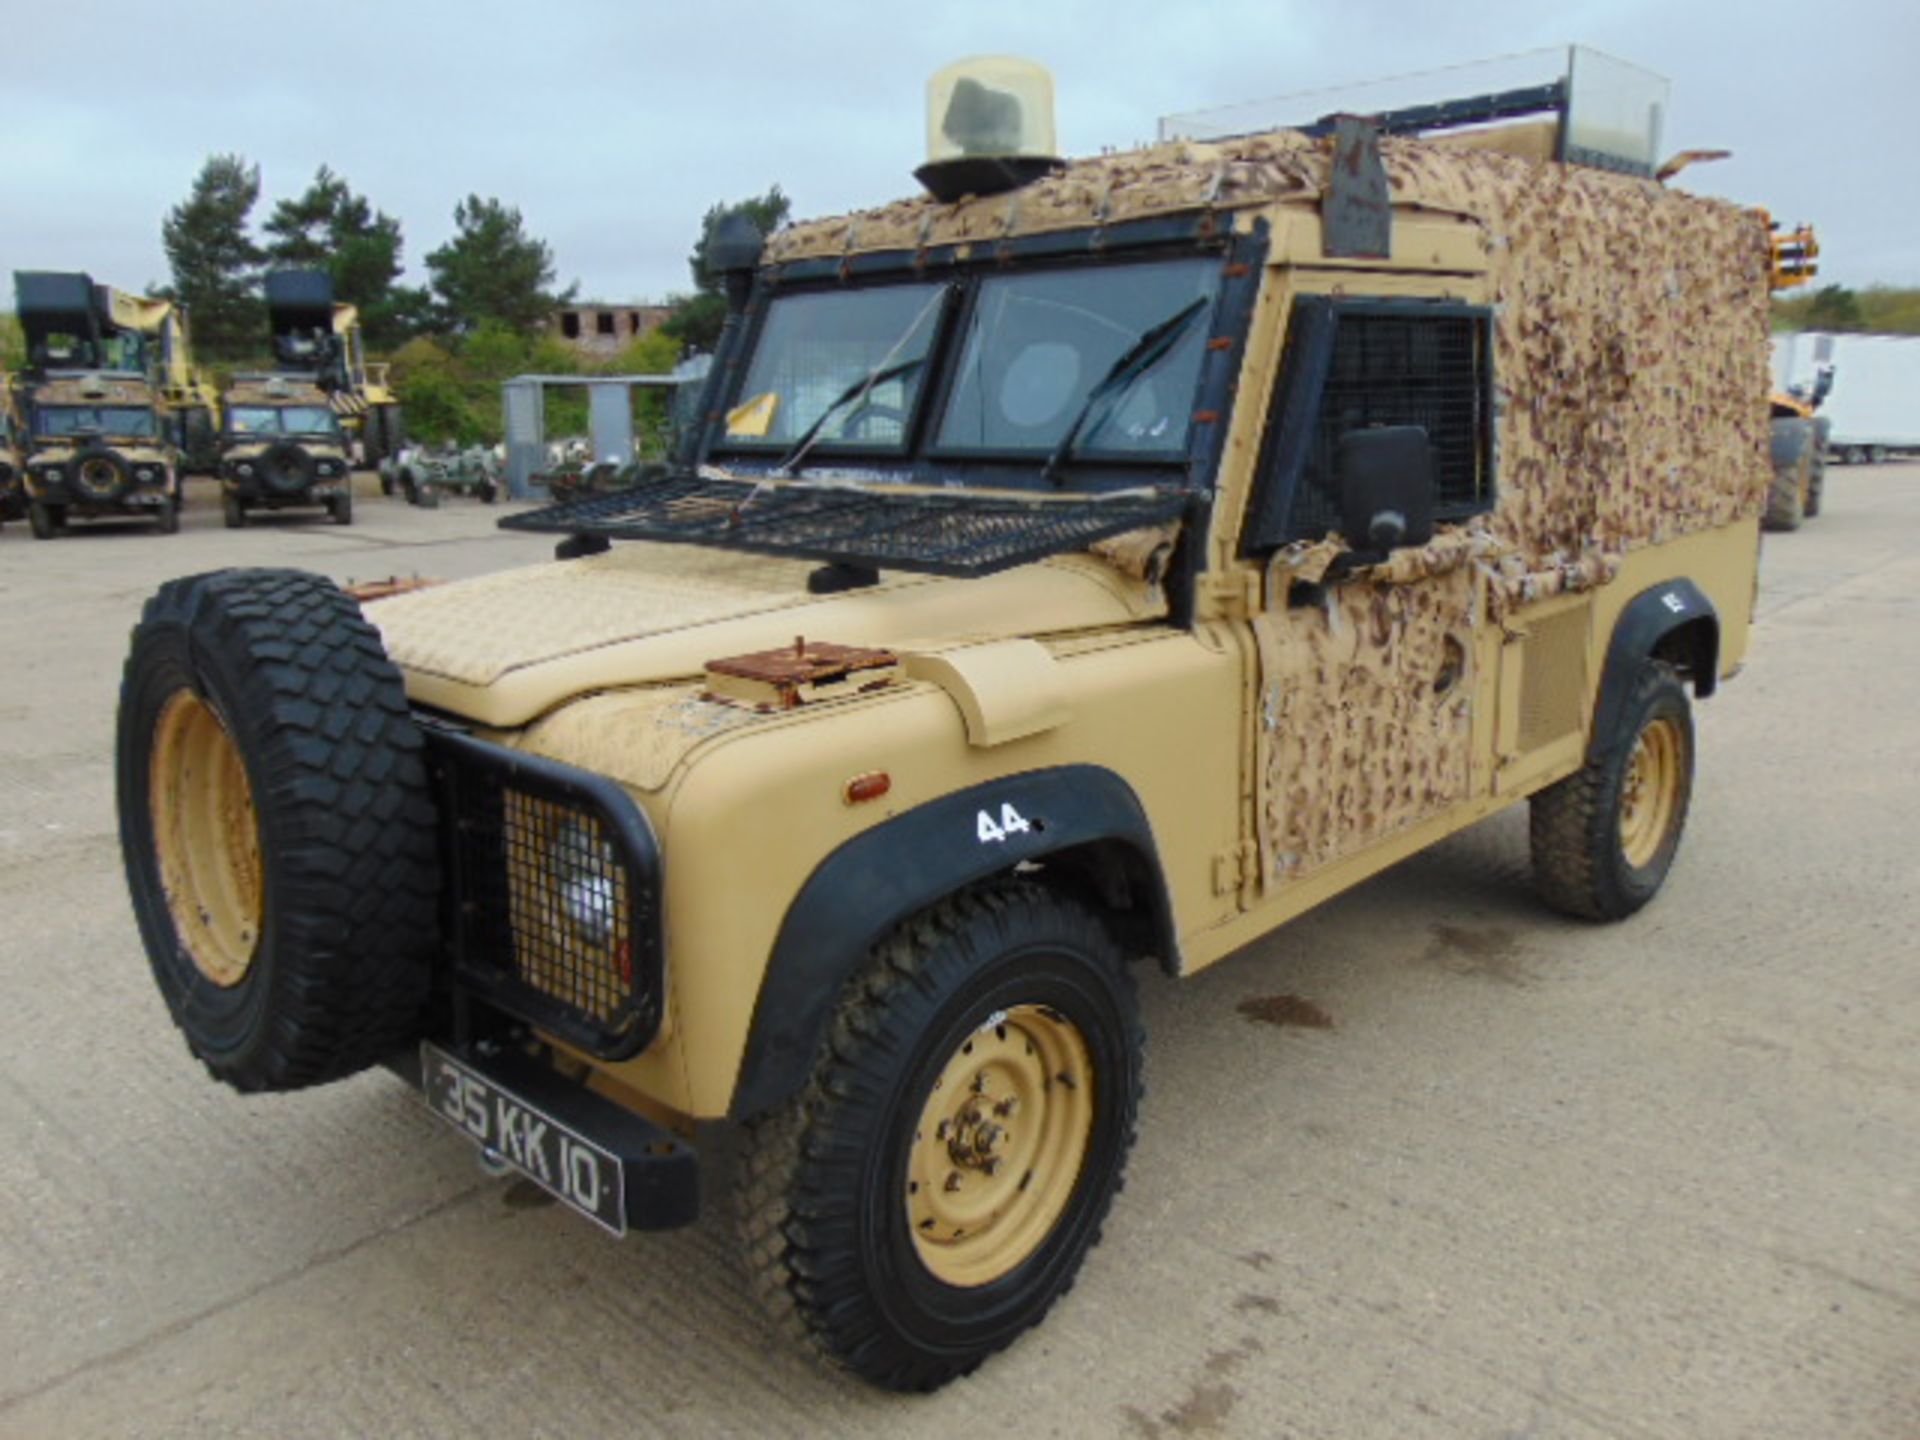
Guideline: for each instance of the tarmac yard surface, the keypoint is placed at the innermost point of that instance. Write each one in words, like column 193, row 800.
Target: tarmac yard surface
column 1430, row 1162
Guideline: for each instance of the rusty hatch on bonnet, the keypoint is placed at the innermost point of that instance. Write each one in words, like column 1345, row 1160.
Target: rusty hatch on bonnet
column 799, row 673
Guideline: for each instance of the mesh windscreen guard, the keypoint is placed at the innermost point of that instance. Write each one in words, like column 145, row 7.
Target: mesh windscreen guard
column 553, row 878
column 1399, row 369
column 950, row 532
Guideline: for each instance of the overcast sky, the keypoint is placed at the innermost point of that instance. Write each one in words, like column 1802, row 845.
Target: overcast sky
column 614, row 125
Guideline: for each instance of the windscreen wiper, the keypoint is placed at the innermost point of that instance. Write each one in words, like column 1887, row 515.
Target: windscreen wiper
column 1135, row 361
column 882, row 372
column 857, row 389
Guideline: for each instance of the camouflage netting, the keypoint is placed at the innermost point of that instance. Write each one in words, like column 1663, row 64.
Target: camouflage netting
column 1631, row 366
column 1365, row 718
column 1631, row 339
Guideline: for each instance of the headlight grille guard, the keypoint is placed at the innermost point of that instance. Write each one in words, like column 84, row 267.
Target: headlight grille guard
column 552, row 890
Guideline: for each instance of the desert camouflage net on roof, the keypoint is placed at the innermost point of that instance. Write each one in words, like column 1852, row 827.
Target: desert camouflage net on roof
column 1630, row 331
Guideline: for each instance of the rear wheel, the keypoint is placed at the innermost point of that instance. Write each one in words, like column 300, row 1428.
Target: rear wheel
column 1792, row 453
column 1605, row 837
column 277, row 827
column 936, row 1187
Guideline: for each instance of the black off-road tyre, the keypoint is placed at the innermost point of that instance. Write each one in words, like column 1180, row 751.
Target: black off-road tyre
column 277, row 827
column 42, row 520
column 1581, row 859
column 99, row 475
column 340, row 507
column 1791, row 450
column 285, row 469
column 233, row 511
column 827, row 1228
column 166, row 519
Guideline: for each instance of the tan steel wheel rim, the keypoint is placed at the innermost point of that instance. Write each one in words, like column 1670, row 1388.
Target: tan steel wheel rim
column 1650, row 794
column 999, row 1146
column 206, row 838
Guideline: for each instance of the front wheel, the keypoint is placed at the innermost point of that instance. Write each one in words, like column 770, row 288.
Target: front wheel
column 1605, row 837
column 935, row 1188
column 43, row 520
column 166, row 519
column 340, row 507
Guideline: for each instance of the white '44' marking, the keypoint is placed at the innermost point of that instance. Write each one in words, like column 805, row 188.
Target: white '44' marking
column 1011, row 822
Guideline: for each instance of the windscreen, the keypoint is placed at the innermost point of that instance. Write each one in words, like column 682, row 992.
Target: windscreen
column 1114, row 349
column 55, row 420
column 849, row 361
column 281, row 420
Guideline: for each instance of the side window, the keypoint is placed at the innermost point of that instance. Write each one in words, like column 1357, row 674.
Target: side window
column 1355, row 364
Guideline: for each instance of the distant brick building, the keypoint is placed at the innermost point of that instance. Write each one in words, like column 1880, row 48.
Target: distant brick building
column 594, row 327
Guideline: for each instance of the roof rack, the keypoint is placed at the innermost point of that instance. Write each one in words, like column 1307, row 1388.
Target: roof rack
column 1608, row 113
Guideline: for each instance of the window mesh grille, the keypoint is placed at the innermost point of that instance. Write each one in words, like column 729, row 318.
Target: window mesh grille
column 1397, row 369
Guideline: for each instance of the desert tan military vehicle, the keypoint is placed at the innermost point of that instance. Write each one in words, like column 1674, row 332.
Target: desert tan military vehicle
column 1078, row 574
column 93, row 440
column 281, row 445
column 13, row 503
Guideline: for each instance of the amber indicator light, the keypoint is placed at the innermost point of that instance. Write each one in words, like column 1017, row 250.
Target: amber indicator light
column 870, row 786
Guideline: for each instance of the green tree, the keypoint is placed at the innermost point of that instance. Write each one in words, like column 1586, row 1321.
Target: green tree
column 13, row 346
column 433, row 394
column 340, row 232
column 493, row 269
column 1834, row 307
column 697, row 318
column 215, row 261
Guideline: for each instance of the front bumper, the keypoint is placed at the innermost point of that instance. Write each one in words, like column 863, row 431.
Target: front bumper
column 140, row 495
column 251, row 489
column 658, row 1171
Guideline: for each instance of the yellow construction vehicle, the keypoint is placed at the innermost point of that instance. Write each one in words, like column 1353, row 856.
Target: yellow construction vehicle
column 1799, row 435
column 316, row 336
column 189, row 404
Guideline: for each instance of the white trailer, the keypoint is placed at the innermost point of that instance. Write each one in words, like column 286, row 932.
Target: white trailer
column 1873, row 410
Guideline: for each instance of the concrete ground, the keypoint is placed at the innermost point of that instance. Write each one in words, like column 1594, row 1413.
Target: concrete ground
column 1528, row 1178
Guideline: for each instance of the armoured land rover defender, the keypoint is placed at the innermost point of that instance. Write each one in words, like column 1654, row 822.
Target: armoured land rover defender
column 1091, row 564
column 281, row 445
column 93, row 442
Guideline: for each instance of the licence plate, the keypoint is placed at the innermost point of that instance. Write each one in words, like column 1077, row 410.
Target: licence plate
column 586, row 1176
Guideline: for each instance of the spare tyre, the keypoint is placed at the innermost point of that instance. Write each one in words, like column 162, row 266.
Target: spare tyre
column 277, row 827
column 285, row 469
column 99, row 476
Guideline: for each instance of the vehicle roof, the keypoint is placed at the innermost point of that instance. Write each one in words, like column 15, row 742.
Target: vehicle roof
column 1469, row 175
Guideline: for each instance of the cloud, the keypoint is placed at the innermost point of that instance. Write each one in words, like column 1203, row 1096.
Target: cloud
column 614, row 125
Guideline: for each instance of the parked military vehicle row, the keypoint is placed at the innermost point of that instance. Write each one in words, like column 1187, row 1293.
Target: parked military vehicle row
column 111, row 409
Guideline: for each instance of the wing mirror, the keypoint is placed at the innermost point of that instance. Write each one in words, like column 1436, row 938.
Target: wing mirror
column 1386, row 487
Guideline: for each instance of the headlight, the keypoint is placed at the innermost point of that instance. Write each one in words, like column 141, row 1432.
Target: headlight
column 243, row 469
column 586, row 866
column 325, row 467
column 143, row 474
column 54, row 472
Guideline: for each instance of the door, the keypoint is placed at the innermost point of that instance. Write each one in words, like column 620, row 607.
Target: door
column 1368, row 716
